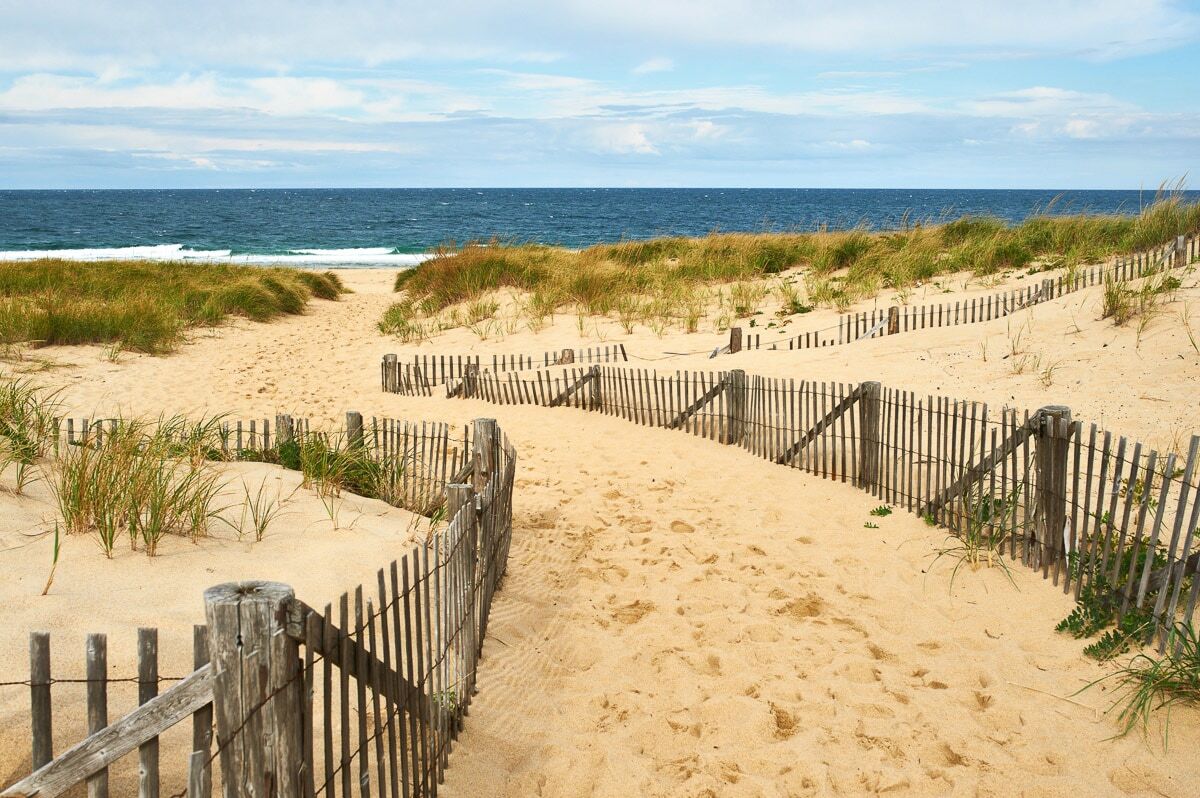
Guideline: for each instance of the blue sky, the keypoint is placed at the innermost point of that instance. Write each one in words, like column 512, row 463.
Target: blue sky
column 1046, row 94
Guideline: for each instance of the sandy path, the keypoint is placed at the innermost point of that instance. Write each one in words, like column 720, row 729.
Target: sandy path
column 683, row 619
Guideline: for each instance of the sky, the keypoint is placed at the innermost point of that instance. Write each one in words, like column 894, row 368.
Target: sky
column 810, row 93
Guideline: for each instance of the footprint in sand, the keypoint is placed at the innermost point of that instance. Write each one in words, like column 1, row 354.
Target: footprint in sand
column 682, row 527
column 809, row 606
column 632, row 613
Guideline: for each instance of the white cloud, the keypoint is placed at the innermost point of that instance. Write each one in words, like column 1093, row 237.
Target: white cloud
column 658, row 64
column 625, row 139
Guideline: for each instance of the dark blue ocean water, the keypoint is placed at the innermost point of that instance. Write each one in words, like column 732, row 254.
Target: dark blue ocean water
column 392, row 226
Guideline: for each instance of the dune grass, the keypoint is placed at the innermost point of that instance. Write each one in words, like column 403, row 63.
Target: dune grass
column 143, row 306
column 666, row 278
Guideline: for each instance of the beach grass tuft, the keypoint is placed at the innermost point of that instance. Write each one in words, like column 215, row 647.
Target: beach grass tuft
column 663, row 277
column 143, row 306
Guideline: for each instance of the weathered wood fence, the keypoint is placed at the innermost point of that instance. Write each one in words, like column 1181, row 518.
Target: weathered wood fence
column 853, row 327
column 425, row 372
column 364, row 699
column 1082, row 505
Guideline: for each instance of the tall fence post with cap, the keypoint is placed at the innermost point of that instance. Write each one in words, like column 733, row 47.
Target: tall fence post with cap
column 1051, row 494
column 869, row 417
column 257, row 689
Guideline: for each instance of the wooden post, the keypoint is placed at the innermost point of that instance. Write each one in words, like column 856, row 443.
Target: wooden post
column 1047, row 289
column 567, row 356
column 354, row 429
column 470, row 380
column 389, row 373
column 735, row 406
column 735, row 339
column 147, row 689
column 257, row 689
column 483, row 445
column 1180, row 259
column 596, row 389
column 39, row 698
column 284, row 429
column 97, row 703
column 893, row 320
column 1052, row 449
column 869, row 418
column 199, row 773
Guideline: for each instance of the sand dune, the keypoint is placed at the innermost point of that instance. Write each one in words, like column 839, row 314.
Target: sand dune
column 681, row 618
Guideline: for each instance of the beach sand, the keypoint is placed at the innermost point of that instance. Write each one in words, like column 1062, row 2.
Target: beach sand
column 679, row 617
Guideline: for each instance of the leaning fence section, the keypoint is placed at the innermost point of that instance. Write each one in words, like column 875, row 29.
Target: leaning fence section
column 362, row 697
column 1088, row 509
column 425, row 372
column 853, row 327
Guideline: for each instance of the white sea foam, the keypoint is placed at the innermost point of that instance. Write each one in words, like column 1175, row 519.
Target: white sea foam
column 352, row 257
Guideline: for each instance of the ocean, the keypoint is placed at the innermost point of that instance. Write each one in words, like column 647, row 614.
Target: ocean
column 395, row 227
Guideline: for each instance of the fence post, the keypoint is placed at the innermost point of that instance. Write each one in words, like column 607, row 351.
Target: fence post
column 1052, row 449
column 284, row 430
column 470, row 383
column 1047, row 289
column 39, row 693
column 483, row 446
column 389, row 373
column 354, row 429
column 1180, row 251
column 735, row 406
column 735, row 339
column 893, row 320
column 567, row 356
column 869, row 419
column 257, row 689
column 597, row 389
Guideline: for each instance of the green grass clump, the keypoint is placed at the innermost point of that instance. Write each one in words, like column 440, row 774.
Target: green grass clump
column 143, row 306
column 1148, row 683
column 841, row 267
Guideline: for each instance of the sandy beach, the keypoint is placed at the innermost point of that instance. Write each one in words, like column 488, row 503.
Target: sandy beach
column 679, row 618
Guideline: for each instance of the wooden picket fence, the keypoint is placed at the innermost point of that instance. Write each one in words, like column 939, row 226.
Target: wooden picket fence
column 1080, row 504
column 424, row 372
column 853, row 327
column 364, row 699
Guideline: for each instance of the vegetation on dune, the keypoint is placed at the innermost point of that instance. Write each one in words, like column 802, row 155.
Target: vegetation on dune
column 666, row 279
column 143, row 306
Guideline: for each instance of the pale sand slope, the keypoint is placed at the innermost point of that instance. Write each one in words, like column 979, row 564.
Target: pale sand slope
column 610, row 667
column 92, row 594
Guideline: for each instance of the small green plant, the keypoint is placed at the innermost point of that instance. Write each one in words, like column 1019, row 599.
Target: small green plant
column 881, row 511
column 986, row 523
column 1149, row 683
column 870, row 525
column 53, row 560
column 259, row 510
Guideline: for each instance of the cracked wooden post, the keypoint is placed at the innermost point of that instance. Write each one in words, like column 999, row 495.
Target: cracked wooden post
column 285, row 429
column 257, row 689
column 869, row 418
column 483, row 446
column 567, row 357
column 893, row 320
column 735, row 340
column 389, row 373
column 735, row 406
column 1051, row 494
column 1180, row 259
column 354, row 429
